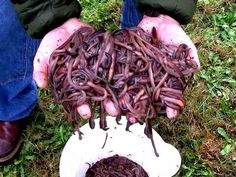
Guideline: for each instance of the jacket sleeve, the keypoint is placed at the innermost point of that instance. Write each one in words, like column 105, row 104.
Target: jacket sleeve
column 181, row 10
column 40, row 16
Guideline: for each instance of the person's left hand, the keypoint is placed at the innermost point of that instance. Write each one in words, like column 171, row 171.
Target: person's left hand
column 169, row 32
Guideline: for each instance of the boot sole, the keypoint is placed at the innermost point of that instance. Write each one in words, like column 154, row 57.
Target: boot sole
column 12, row 153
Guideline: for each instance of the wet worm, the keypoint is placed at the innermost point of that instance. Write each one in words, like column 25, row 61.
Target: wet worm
column 140, row 74
column 119, row 166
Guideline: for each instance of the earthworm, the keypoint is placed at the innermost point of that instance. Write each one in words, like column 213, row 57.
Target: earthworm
column 116, row 165
column 139, row 73
column 92, row 123
column 102, row 120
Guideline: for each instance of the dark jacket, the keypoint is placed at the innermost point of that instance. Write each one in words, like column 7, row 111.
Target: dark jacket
column 40, row 16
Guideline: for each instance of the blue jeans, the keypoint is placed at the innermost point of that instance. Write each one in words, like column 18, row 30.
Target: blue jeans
column 18, row 93
column 130, row 15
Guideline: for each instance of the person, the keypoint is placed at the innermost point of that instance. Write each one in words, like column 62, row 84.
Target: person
column 32, row 29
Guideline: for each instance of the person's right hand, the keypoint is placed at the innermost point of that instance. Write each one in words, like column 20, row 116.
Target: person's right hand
column 50, row 42
column 170, row 32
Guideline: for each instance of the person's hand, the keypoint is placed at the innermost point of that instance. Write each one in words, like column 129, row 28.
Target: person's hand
column 169, row 32
column 49, row 43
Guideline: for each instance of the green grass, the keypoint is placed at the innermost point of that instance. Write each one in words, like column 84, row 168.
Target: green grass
column 205, row 134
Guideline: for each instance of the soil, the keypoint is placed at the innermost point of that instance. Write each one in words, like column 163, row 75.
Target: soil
column 116, row 166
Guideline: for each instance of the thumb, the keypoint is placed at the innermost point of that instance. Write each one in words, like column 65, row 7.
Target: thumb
column 49, row 43
column 171, row 113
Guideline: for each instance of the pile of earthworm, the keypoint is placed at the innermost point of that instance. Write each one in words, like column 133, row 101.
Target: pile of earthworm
column 141, row 75
column 116, row 166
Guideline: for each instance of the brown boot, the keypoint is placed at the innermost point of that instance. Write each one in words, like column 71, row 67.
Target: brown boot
column 10, row 141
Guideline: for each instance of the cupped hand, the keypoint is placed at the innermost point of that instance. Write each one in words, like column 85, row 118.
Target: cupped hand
column 169, row 32
column 49, row 43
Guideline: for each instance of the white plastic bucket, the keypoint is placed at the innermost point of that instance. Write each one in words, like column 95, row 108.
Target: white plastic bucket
column 97, row 144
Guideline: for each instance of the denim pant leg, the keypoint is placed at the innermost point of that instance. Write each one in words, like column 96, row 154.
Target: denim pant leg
column 18, row 93
column 130, row 14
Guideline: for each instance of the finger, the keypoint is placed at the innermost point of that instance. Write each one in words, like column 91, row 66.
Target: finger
column 40, row 77
column 171, row 113
column 132, row 119
column 84, row 111
column 110, row 108
column 40, row 72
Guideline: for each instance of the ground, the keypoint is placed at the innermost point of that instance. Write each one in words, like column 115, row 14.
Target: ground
column 205, row 133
